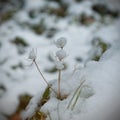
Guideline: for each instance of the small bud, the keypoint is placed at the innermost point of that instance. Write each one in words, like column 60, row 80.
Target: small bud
column 32, row 55
column 61, row 54
column 59, row 65
column 61, row 42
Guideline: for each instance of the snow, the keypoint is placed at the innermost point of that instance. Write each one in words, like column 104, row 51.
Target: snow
column 80, row 8
column 32, row 107
column 99, row 75
column 99, row 94
column 99, row 97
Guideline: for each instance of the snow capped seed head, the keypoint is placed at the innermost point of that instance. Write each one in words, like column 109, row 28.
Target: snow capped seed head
column 61, row 54
column 59, row 65
column 61, row 42
column 32, row 55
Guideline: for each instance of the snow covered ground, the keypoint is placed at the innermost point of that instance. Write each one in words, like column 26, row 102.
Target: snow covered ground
column 17, row 76
column 99, row 96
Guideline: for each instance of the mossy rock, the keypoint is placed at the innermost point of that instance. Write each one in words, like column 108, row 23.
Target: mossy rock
column 13, row 5
column 99, row 43
column 60, row 12
column 8, row 12
column 6, row 16
column 24, row 100
column 19, row 65
column 105, row 10
column 86, row 20
column 51, row 32
column 39, row 28
column 20, row 45
column 19, row 42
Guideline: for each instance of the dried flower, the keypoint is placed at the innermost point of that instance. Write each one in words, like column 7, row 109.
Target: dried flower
column 60, row 54
column 32, row 55
column 61, row 42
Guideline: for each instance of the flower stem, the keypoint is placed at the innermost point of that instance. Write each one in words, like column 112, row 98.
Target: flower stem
column 59, row 79
column 43, row 76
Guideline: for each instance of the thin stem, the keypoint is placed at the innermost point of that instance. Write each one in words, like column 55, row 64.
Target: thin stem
column 59, row 79
column 44, row 77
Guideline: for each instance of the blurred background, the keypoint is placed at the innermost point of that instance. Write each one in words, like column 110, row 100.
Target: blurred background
column 90, row 27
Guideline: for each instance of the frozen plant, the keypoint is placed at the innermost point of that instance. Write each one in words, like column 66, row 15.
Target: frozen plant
column 32, row 56
column 83, row 90
column 60, row 54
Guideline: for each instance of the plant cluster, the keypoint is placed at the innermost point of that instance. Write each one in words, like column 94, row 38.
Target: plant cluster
column 60, row 55
column 84, row 91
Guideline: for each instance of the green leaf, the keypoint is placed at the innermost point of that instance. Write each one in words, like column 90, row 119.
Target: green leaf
column 46, row 96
